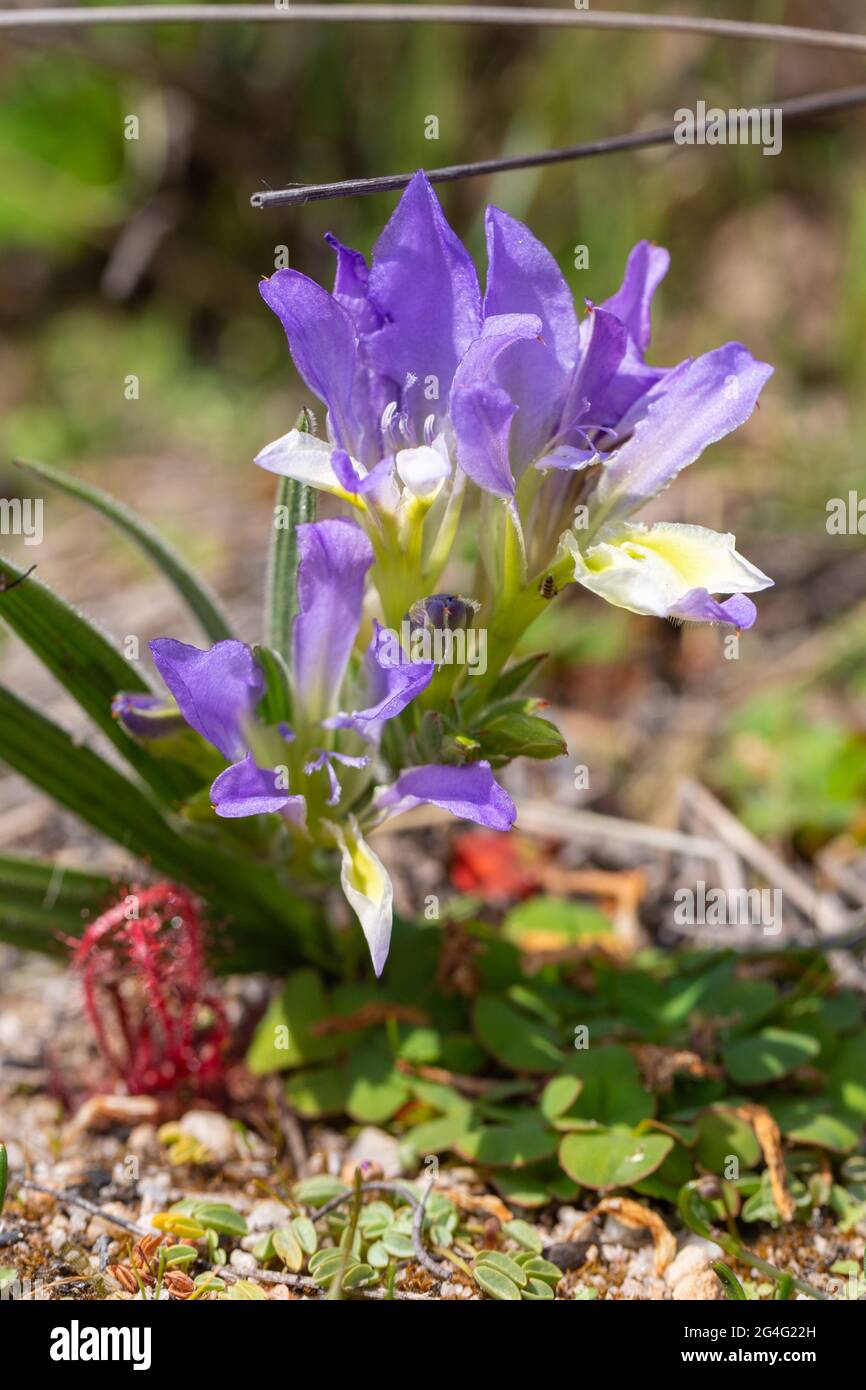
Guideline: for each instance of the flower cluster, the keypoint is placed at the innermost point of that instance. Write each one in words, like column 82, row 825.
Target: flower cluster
column 434, row 392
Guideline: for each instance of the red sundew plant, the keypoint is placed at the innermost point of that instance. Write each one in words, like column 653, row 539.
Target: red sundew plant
column 155, row 1015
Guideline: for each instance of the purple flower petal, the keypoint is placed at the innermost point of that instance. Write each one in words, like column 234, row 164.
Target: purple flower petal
column 524, row 278
column 324, row 760
column 147, row 716
column 334, row 559
column 471, row 793
column 481, row 411
column 424, row 284
column 347, row 475
column 698, row 405
column 587, row 402
column 482, row 418
column 699, row 606
column 324, row 348
column 352, row 287
column 216, row 690
column 247, row 790
column 645, row 269
column 388, row 684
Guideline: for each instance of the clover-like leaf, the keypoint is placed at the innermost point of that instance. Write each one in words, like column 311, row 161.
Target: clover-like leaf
column 612, row 1158
column 515, row 1040
column 768, row 1055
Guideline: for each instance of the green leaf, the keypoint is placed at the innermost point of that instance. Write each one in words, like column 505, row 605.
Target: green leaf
column 376, row 1089
column 521, row 735
column 284, row 1038
column 532, row 1187
column 517, row 675
column 731, row 1284
column 191, row 589
column 572, row 921
column 324, row 1265
column 519, row 1043
column 180, row 1254
column 722, row 1135
column 91, row 668
column 539, row 1268
column 318, row 1092
column 296, row 504
column 244, row 1291
column 398, row 1244
column 315, row 1192
column 494, row 1259
column 85, row 784
column 305, row 1234
column 77, row 778
column 288, row 1248
column 435, row 1136
column 613, row 1158
column 612, row 1092
column 847, row 1075
column 357, row 1274
column 220, row 1217
column 375, row 1219
column 525, row 1235
column 507, row 1146
column 377, row 1255
column 276, row 706
column 740, row 1003
column 810, row 1122
column 497, row 1285
column 537, row 1291
column 558, row 1095
column 41, row 903
column 768, row 1055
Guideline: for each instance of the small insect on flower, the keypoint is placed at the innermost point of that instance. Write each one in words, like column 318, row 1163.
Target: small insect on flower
column 548, row 587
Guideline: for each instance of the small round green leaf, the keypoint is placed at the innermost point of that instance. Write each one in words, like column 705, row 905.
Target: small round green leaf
column 613, row 1158
column 768, row 1055
column 517, row 1041
column 559, row 1093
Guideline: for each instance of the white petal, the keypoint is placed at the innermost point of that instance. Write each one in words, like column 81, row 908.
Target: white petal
column 422, row 470
column 649, row 569
column 368, row 888
column 308, row 460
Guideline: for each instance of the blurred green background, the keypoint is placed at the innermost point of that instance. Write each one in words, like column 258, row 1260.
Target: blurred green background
column 142, row 256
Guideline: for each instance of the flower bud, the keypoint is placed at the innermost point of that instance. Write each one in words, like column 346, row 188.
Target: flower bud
column 147, row 716
column 443, row 612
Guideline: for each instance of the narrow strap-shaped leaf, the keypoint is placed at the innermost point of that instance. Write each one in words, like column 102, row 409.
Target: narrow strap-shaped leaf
column 85, row 784
column 41, row 903
column 90, row 667
column 251, row 897
column 296, row 503
column 194, row 592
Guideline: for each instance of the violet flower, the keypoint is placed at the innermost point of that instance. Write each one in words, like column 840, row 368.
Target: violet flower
column 427, row 384
column 324, row 775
